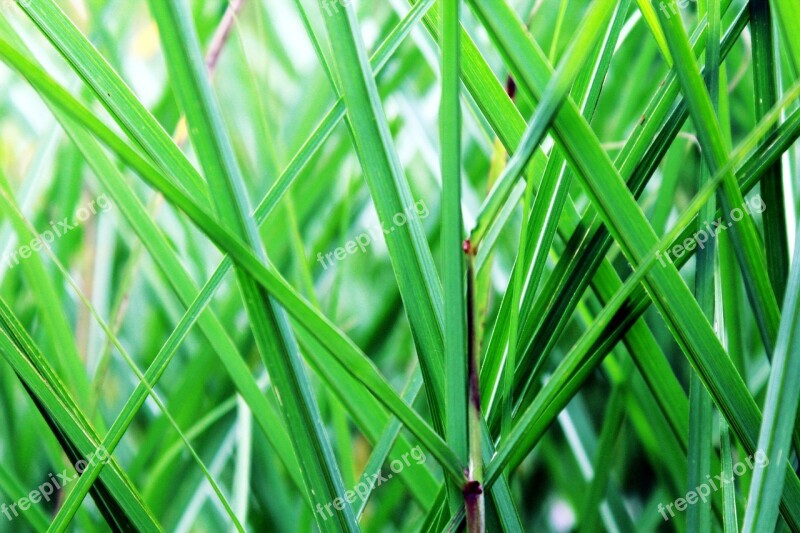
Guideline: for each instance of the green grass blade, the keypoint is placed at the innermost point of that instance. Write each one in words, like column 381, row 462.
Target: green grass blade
column 546, row 211
column 776, row 240
column 20, row 352
column 698, row 517
column 13, row 488
column 746, row 238
column 270, row 327
column 533, row 415
column 583, row 262
column 71, row 505
column 456, row 384
column 249, row 370
column 780, row 413
column 785, row 14
column 725, row 284
column 630, row 228
column 416, row 277
column 651, row 19
column 162, row 252
column 381, row 451
column 115, row 95
column 339, row 346
column 68, row 359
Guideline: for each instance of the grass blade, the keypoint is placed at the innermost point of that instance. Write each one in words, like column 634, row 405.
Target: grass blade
column 780, row 412
column 746, row 239
column 453, row 268
column 419, row 285
column 270, row 327
column 776, row 240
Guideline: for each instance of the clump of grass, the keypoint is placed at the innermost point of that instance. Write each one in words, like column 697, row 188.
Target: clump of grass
column 606, row 290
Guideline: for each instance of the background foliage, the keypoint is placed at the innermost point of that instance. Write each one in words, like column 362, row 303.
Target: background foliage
column 246, row 366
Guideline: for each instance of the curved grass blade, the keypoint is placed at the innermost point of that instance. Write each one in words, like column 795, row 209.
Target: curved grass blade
column 184, row 287
column 540, row 229
column 164, row 256
column 69, row 363
column 73, row 501
column 115, row 95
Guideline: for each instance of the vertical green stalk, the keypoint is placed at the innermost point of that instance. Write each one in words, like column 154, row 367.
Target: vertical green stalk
column 726, row 282
column 412, row 262
column 455, row 335
column 725, row 286
column 562, row 11
column 698, row 516
column 473, row 490
column 776, row 239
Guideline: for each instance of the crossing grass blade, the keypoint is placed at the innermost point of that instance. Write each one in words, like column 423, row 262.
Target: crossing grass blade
column 542, row 224
column 783, row 10
column 578, row 368
column 390, row 191
column 68, row 360
column 339, row 346
column 545, row 213
column 650, row 17
column 270, row 326
column 780, row 414
column 664, row 126
column 120, row 503
column 417, row 280
column 108, row 445
column 161, row 251
column 745, row 235
column 631, row 230
column 116, row 96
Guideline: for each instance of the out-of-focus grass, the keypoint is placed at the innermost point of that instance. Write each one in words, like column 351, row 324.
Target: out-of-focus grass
column 447, row 222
